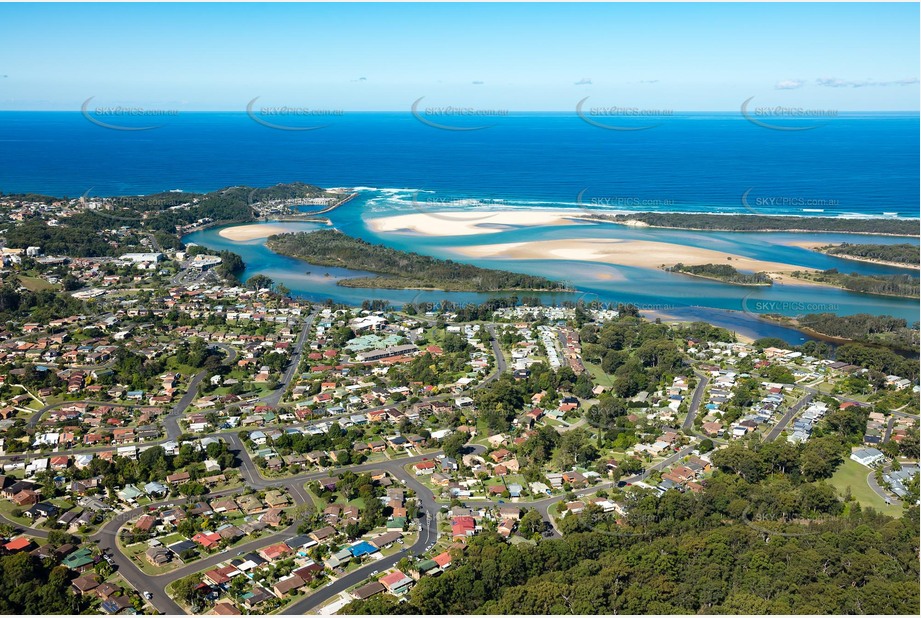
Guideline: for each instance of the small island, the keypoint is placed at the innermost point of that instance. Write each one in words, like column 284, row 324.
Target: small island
column 400, row 270
column 721, row 272
column 902, row 255
column 904, row 286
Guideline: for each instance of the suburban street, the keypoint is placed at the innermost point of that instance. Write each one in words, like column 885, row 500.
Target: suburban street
column 429, row 507
column 703, row 381
column 795, row 409
column 106, row 536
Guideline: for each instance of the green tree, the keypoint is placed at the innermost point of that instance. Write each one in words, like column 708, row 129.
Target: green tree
column 454, row 443
column 531, row 523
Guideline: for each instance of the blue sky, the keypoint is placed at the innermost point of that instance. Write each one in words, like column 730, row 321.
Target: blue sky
column 187, row 57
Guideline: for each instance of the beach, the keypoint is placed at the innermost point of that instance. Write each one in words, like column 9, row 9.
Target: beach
column 252, row 232
column 636, row 253
column 458, row 223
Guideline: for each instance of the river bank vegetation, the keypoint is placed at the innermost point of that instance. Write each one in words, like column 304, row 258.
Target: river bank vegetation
column 399, row 269
column 721, row 272
column 902, row 253
column 904, row 286
column 764, row 223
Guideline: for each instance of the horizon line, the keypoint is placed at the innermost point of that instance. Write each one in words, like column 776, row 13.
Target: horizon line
column 409, row 111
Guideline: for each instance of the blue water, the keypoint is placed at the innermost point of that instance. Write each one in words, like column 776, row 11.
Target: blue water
column 856, row 164
column 853, row 165
column 657, row 293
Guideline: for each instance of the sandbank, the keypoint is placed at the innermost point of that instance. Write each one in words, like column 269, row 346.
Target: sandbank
column 466, row 223
column 252, row 232
column 636, row 253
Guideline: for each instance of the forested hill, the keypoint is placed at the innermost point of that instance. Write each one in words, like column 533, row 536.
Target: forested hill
column 719, row 552
column 767, row 534
column 400, row 269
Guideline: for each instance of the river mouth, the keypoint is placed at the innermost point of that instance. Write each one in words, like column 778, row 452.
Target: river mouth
column 658, row 294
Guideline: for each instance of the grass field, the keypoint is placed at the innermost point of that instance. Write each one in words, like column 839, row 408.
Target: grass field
column 598, row 376
column 35, row 284
column 7, row 508
column 135, row 553
column 852, row 474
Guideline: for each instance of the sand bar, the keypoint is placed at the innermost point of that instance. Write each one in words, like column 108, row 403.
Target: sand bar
column 807, row 244
column 252, row 232
column 636, row 253
column 467, row 223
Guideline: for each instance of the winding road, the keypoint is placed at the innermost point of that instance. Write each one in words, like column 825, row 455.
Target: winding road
column 430, row 508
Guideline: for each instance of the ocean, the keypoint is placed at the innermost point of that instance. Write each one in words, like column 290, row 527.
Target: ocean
column 849, row 166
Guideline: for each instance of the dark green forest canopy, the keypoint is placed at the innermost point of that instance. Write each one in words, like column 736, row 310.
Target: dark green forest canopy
column 722, row 272
column 719, row 552
column 902, row 253
column 764, row 223
column 400, row 269
column 766, row 535
column 886, row 285
column 32, row 587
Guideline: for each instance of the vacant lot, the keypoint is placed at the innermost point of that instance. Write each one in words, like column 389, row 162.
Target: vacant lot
column 852, row 474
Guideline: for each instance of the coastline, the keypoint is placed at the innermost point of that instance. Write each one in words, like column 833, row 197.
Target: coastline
column 638, row 223
column 466, row 223
column 816, row 246
column 808, row 282
column 379, row 286
column 871, row 261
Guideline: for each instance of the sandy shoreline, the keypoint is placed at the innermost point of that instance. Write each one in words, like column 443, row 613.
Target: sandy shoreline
column 806, row 244
column 636, row 253
column 668, row 318
column 457, row 223
column 252, row 232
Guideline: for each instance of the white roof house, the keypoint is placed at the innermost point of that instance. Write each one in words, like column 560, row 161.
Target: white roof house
column 867, row 456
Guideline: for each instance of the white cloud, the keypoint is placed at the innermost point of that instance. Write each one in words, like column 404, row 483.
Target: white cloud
column 585, row 81
column 834, row 82
column 789, row 84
